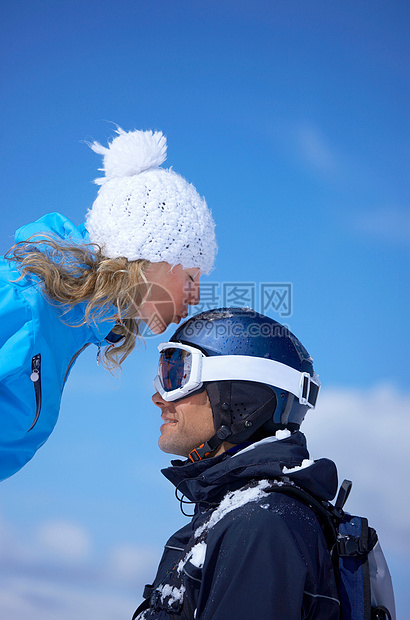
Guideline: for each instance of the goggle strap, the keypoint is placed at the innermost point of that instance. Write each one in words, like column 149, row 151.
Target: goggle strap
column 261, row 370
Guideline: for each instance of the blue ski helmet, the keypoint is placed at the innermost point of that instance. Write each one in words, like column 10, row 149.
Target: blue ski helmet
column 248, row 408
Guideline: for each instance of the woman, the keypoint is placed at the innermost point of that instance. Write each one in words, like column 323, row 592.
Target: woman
column 139, row 257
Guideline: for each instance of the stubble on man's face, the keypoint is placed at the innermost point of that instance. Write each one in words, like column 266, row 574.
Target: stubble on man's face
column 188, row 423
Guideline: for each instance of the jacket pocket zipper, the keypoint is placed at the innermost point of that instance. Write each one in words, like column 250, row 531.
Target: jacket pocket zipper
column 36, row 379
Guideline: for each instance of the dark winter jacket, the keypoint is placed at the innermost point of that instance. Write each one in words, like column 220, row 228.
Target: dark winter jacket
column 248, row 553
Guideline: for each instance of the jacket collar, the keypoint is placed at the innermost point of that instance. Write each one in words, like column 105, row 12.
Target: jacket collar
column 210, row 479
column 96, row 330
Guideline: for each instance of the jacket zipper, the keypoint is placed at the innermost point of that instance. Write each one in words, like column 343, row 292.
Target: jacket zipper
column 73, row 360
column 36, row 379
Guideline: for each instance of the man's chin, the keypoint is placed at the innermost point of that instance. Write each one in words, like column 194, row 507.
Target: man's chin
column 167, row 449
column 168, row 446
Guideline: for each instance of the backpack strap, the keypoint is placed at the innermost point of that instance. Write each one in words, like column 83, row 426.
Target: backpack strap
column 352, row 550
column 144, row 605
column 349, row 540
column 324, row 514
column 148, row 590
column 381, row 613
column 343, row 494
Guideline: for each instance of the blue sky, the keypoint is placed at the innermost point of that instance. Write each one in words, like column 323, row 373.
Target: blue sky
column 290, row 118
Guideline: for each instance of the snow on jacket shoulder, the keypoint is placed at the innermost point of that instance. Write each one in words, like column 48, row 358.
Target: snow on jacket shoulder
column 39, row 342
column 253, row 554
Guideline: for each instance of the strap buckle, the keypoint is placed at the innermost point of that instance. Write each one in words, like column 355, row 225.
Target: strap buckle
column 199, row 453
column 308, row 390
column 350, row 546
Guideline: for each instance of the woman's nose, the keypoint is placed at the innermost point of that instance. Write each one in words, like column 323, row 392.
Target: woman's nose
column 194, row 296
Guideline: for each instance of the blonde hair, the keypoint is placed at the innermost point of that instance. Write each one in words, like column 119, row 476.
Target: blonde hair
column 72, row 274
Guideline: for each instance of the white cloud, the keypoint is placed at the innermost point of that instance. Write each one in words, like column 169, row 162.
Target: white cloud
column 40, row 599
column 316, row 151
column 367, row 434
column 385, row 224
column 323, row 155
column 66, row 541
column 129, row 562
column 57, row 543
column 306, row 143
column 52, row 573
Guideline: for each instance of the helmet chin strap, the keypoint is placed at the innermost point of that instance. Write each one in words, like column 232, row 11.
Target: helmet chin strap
column 211, row 445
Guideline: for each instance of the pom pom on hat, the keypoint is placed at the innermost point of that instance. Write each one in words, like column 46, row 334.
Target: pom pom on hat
column 146, row 212
column 131, row 153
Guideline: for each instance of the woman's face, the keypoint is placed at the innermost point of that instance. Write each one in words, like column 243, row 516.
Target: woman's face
column 171, row 290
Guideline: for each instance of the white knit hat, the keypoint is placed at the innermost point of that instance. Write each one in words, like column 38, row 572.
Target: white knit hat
column 143, row 211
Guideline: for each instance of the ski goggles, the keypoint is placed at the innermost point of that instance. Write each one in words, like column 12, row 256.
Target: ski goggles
column 184, row 369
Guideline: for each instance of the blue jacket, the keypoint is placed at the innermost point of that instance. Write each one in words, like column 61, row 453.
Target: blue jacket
column 247, row 553
column 39, row 343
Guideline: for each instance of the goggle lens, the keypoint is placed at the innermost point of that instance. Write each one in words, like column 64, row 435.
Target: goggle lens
column 174, row 368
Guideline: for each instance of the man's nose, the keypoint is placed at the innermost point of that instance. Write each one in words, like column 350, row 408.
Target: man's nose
column 158, row 400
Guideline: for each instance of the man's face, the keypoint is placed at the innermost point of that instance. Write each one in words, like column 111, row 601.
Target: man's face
column 188, row 423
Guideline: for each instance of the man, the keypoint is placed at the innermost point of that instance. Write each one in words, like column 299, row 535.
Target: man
column 233, row 387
